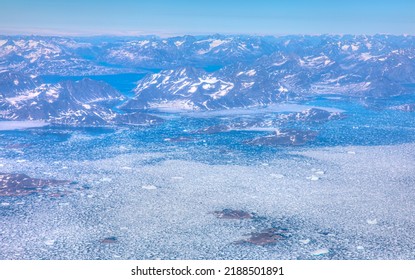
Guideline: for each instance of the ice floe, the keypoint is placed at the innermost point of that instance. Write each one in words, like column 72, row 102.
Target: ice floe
column 149, row 187
column 320, row 252
column 106, row 179
column 372, row 221
column 313, row 178
column 277, row 176
column 50, row 242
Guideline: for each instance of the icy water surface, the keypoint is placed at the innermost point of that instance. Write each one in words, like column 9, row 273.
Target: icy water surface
column 175, row 191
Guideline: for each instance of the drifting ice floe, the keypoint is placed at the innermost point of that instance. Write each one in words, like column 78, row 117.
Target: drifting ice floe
column 372, row 222
column 313, row 178
column 320, row 252
column 304, row 241
column 149, row 187
column 106, row 179
column 50, row 242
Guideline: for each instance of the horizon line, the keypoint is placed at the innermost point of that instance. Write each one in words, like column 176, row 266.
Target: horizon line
column 162, row 34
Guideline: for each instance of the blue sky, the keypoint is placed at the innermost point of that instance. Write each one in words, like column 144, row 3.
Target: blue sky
column 176, row 17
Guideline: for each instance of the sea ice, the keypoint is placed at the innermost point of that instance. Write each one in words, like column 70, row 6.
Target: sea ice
column 177, row 222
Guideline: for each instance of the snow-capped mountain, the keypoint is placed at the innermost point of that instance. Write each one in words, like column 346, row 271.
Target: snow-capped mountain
column 195, row 89
column 195, row 73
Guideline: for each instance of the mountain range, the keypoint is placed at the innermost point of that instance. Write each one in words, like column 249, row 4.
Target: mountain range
column 194, row 73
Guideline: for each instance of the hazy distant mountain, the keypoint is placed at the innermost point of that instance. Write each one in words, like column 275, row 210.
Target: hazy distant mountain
column 51, row 55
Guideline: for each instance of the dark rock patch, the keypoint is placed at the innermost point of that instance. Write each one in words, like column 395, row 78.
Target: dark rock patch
column 233, row 214
column 109, row 240
column 21, row 184
column 315, row 115
column 59, row 194
column 268, row 236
